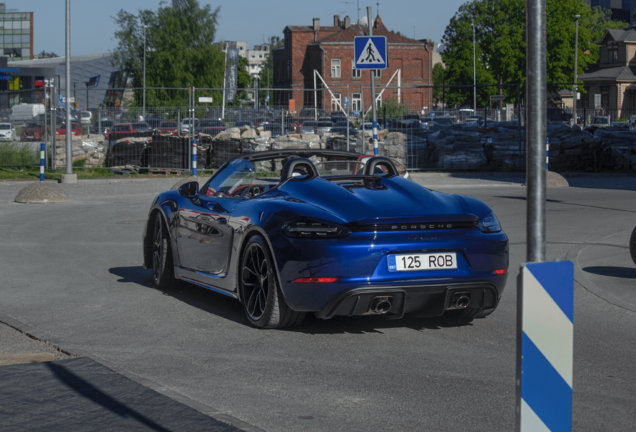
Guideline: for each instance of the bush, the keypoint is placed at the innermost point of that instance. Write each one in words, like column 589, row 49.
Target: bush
column 18, row 155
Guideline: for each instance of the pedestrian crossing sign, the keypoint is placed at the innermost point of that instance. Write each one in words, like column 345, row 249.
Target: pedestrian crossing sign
column 370, row 52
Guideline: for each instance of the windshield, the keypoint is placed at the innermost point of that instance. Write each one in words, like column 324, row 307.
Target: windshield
column 168, row 125
column 5, row 126
column 239, row 180
column 599, row 120
column 140, row 125
column 85, row 114
column 121, row 128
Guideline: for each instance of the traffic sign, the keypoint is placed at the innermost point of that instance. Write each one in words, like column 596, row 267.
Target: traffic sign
column 205, row 99
column 370, row 52
column 63, row 99
column 497, row 97
column 346, row 102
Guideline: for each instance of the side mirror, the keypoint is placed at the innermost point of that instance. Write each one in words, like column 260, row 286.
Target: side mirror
column 189, row 190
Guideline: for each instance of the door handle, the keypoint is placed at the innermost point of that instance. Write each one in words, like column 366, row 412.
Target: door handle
column 221, row 220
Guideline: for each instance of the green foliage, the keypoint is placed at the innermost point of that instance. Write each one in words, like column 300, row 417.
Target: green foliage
column 179, row 51
column 79, row 163
column 439, row 79
column 500, row 34
column 46, row 54
column 393, row 109
column 18, row 155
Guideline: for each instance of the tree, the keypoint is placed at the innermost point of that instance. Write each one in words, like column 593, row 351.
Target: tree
column 439, row 79
column 45, row 54
column 500, row 33
column 179, row 51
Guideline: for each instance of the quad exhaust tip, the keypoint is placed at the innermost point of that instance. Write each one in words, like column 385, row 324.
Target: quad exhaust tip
column 381, row 305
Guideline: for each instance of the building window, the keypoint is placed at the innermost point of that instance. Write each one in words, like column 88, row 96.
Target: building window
column 356, row 102
column 335, row 100
column 288, row 69
column 335, row 68
column 612, row 52
column 377, row 72
column 355, row 73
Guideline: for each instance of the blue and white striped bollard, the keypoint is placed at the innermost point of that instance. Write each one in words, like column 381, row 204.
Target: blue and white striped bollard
column 375, row 137
column 545, row 336
column 194, row 158
column 42, row 149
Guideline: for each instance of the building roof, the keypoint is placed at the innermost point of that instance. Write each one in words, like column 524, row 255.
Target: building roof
column 627, row 35
column 340, row 34
column 620, row 73
column 55, row 61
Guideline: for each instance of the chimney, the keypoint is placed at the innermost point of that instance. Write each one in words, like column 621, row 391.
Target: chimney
column 377, row 22
column 336, row 20
column 347, row 22
column 316, row 24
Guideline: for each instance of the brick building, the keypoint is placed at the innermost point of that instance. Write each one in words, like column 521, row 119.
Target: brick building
column 330, row 51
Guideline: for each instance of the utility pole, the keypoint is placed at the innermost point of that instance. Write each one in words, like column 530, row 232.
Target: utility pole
column 576, row 65
column 69, row 177
column 474, row 73
column 144, row 109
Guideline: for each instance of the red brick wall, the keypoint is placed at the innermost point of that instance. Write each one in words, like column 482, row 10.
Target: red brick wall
column 413, row 60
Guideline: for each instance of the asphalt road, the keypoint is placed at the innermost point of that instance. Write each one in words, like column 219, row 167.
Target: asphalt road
column 71, row 273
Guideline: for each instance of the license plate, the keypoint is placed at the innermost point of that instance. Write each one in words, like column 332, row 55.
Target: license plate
column 436, row 261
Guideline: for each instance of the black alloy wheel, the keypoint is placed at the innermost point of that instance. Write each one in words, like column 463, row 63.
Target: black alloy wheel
column 262, row 299
column 162, row 267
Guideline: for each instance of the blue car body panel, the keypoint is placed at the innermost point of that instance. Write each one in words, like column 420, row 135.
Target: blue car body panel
column 207, row 234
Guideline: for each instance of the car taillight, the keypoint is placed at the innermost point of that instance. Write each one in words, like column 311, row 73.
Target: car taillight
column 306, row 228
column 315, row 280
column 500, row 272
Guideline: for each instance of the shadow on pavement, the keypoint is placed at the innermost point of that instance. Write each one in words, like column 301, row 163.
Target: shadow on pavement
column 619, row 272
column 573, row 204
column 193, row 295
column 373, row 324
column 92, row 393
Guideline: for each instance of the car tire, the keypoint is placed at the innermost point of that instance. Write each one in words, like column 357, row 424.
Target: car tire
column 261, row 296
column 632, row 246
column 162, row 264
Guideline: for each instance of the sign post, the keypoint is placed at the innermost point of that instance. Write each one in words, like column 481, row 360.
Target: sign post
column 545, row 289
column 371, row 53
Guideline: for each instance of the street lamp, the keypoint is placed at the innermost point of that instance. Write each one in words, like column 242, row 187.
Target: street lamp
column 474, row 73
column 144, row 102
column 576, row 58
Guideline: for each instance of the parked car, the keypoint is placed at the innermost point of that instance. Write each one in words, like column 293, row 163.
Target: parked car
column 274, row 128
column 439, row 114
column 86, row 117
column 76, row 129
column 212, row 130
column 394, row 246
column 106, row 125
column 241, row 123
column 446, row 121
column 120, row 130
column 7, row 132
column 168, row 127
column 32, row 131
column 186, row 123
column 411, row 117
column 559, row 115
column 601, row 121
column 141, row 127
column 310, row 113
column 203, row 124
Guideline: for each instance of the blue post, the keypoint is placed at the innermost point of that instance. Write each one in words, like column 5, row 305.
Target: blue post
column 42, row 149
column 194, row 158
column 547, row 154
column 545, row 339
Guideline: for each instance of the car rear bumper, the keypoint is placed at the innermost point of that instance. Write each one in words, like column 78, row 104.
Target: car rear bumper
column 426, row 300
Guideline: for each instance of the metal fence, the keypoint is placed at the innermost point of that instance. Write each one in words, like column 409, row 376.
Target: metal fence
column 159, row 136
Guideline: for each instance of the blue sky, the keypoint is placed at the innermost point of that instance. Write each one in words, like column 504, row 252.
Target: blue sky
column 92, row 27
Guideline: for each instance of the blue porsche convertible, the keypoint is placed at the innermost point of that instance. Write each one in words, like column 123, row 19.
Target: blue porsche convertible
column 327, row 232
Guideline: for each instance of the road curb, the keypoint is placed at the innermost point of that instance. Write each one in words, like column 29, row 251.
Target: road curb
column 581, row 278
column 73, row 351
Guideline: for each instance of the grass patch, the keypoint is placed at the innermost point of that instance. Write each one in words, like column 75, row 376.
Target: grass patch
column 12, row 153
column 33, row 173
